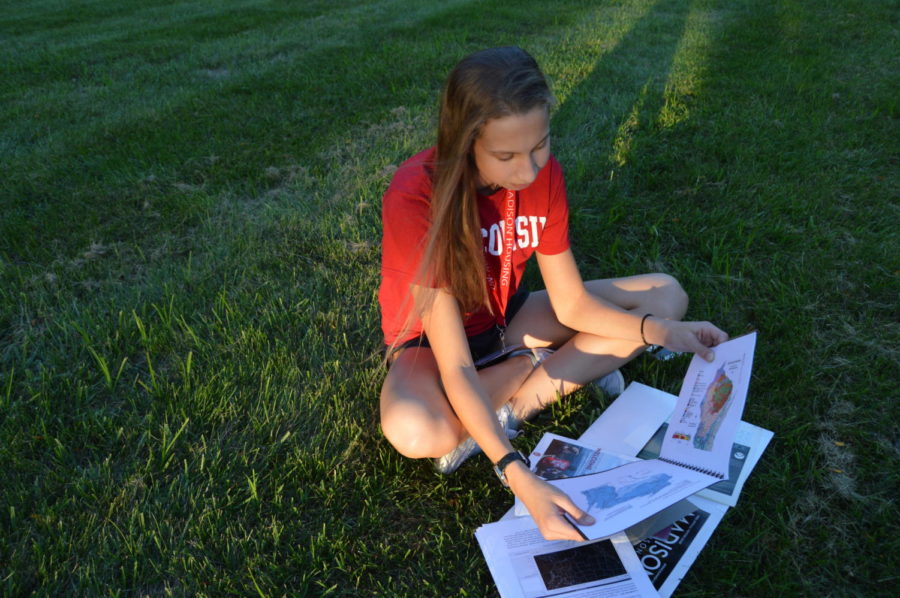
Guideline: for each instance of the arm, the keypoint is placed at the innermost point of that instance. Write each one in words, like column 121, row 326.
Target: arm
column 443, row 326
column 578, row 309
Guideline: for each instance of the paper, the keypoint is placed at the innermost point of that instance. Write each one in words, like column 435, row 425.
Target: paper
column 695, row 450
column 623, row 496
column 559, row 457
column 627, row 424
column 658, row 521
column 556, row 457
column 704, row 423
column 668, row 554
column 524, row 565
column 749, row 444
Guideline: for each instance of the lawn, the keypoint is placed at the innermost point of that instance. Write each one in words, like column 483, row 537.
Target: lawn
column 189, row 261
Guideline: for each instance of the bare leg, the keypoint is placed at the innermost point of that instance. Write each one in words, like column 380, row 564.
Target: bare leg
column 416, row 416
column 581, row 357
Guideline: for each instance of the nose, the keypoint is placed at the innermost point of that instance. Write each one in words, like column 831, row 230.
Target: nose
column 528, row 170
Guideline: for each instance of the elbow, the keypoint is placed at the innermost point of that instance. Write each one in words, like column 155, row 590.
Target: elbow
column 567, row 317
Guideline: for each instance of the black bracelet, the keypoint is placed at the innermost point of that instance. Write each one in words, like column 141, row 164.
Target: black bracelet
column 644, row 319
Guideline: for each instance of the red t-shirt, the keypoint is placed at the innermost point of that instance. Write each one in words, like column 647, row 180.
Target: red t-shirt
column 541, row 223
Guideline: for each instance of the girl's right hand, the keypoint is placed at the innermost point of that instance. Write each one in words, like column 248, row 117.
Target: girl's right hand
column 546, row 504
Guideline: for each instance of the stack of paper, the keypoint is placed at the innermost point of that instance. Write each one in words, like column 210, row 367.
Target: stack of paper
column 658, row 474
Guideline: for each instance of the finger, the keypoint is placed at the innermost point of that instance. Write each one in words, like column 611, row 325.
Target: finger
column 709, row 336
column 716, row 335
column 558, row 528
column 567, row 506
column 694, row 343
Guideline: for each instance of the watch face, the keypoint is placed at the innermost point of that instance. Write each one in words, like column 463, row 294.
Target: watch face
column 502, row 476
column 501, row 465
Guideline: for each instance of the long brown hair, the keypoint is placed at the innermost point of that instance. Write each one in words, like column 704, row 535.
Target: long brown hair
column 483, row 86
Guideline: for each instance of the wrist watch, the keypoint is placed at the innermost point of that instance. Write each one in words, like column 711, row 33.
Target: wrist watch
column 501, row 465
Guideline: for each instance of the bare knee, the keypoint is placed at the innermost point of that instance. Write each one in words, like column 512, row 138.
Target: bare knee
column 669, row 298
column 663, row 297
column 415, row 433
column 658, row 294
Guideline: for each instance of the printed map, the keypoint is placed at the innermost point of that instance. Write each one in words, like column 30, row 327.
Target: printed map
column 606, row 496
column 713, row 409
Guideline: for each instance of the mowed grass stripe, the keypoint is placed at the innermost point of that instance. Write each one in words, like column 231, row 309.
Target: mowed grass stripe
column 188, row 380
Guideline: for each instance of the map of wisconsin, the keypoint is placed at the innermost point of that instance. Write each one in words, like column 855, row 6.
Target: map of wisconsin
column 606, row 496
column 713, row 409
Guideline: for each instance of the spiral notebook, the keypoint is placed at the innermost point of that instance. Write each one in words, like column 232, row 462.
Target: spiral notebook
column 695, row 452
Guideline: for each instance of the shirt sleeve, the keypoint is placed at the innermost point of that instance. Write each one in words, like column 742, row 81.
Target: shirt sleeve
column 555, row 236
column 405, row 216
column 405, row 221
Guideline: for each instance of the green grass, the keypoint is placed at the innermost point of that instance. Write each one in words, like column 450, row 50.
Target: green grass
column 189, row 255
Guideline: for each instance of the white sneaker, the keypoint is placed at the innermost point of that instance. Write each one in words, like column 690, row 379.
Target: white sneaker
column 509, row 422
column 452, row 460
column 613, row 384
column 469, row 448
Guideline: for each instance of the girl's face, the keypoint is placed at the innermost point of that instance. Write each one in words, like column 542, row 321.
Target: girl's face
column 511, row 150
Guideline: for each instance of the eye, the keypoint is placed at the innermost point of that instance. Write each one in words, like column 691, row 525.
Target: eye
column 505, row 157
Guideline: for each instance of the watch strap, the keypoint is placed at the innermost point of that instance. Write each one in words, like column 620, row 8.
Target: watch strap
column 501, row 465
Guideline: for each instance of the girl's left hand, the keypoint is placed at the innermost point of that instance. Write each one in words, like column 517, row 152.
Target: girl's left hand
column 693, row 337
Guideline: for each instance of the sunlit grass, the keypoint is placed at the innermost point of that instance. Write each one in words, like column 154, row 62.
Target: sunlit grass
column 189, row 258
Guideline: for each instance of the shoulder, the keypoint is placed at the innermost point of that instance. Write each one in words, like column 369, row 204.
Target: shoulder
column 555, row 166
column 406, row 205
column 413, row 178
column 550, row 176
column 554, row 170
column 549, row 184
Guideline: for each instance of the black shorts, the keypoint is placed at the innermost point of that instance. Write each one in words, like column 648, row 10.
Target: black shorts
column 482, row 344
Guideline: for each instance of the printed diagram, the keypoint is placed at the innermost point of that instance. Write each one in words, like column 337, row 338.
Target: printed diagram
column 582, row 564
column 606, row 496
column 713, row 409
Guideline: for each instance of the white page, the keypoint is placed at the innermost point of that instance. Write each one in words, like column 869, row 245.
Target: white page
column 702, row 427
column 749, row 444
column 623, row 496
column 557, row 457
column 632, row 419
column 524, row 565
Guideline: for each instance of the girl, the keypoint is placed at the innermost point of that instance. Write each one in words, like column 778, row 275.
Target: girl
column 460, row 220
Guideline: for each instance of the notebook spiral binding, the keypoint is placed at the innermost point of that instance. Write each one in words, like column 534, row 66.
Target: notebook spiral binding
column 715, row 474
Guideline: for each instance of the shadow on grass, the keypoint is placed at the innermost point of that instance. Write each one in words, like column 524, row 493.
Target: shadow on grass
column 284, row 104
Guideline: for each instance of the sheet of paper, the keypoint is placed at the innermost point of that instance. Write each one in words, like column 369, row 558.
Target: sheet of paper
column 658, row 521
column 749, row 444
column 557, row 457
column 627, row 424
column 524, row 565
column 668, row 554
column 756, row 439
column 621, row 497
column 703, row 425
